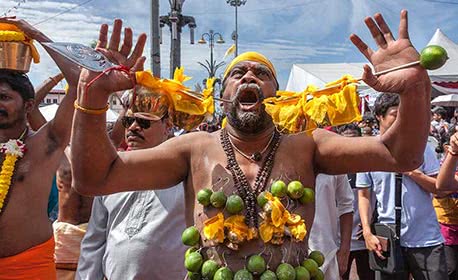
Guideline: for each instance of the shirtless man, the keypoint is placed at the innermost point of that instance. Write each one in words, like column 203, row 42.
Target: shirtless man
column 26, row 244
column 70, row 227
column 200, row 161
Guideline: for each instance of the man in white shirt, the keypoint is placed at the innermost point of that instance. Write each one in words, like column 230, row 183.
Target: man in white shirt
column 421, row 239
column 136, row 235
column 335, row 200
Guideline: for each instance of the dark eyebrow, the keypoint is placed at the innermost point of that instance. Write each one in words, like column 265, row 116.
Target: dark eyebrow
column 239, row 67
column 263, row 67
column 256, row 68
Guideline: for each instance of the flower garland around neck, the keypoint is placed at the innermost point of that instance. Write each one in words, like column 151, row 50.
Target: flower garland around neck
column 13, row 150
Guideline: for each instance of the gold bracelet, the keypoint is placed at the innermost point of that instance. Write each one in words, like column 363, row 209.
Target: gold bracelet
column 91, row 111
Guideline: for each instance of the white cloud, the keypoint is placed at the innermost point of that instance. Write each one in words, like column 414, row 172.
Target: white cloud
column 293, row 31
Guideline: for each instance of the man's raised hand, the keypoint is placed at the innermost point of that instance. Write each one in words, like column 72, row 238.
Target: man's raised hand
column 391, row 52
column 119, row 55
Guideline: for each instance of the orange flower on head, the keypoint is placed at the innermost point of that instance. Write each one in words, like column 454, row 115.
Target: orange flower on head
column 214, row 228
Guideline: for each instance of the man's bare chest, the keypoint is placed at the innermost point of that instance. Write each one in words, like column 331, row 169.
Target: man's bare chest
column 214, row 170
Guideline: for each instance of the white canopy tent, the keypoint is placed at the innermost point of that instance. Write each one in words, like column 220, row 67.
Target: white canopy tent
column 445, row 79
column 448, row 72
column 49, row 111
column 302, row 75
column 319, row 74
column 446, row 100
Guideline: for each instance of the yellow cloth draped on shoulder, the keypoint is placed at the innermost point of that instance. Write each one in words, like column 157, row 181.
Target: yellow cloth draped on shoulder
column 337, row 104
column 292, row 112
column 186, row 109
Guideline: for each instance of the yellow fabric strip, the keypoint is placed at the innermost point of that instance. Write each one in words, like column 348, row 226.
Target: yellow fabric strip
column 186, row 110
column 305, row 111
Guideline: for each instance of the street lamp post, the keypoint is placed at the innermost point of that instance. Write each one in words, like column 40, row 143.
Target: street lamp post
column 175, row 20
column 235, row 35
column 211, row 65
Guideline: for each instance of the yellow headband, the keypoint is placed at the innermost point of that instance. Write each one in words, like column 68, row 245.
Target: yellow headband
column 251, row 56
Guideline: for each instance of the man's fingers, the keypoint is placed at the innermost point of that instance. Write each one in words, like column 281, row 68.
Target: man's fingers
column 379, row 254
column 127, row 44
column 384, row 28
column 103, row 36
column 108, row 54
column 11, row 20
column 139, row 64
column 6, row 18
column 369, row 78
column 362, row 47
column 118, row 58
column 375, row 31
column 115, row 35
column 403, row 26
column 378, row 250
column 138, row 50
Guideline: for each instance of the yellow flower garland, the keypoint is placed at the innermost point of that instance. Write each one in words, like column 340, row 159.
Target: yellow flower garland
column 11, row 36
column 13, row 149
column 11, row 33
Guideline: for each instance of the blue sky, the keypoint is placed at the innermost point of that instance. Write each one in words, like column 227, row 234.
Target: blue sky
column 288, row 32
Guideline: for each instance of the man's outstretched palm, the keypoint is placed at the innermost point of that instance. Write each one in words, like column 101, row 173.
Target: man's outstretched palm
column 116, row 80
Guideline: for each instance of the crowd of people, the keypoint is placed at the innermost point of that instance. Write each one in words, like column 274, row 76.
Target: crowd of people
column 126, row 195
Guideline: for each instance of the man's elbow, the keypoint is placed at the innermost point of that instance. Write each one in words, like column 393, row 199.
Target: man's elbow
column 409, row 163
column 442, row 188
column 84, row 188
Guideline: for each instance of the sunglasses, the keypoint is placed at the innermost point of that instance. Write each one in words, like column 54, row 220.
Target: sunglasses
column 143, row 123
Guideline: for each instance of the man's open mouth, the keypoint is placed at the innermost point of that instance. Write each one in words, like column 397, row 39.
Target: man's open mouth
column 249, row 98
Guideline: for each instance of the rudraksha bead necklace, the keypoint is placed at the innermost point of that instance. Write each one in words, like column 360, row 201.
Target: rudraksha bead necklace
column 244, row 189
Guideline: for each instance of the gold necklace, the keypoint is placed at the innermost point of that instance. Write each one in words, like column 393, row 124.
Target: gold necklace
column 256, row 156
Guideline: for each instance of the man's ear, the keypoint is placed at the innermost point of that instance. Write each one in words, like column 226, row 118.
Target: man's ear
column 168, row 126
column 29, row 105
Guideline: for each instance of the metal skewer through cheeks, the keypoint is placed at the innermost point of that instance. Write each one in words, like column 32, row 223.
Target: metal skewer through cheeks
column 199, row 95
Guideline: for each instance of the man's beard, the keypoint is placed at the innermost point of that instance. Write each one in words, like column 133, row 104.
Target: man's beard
column 248, row 121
